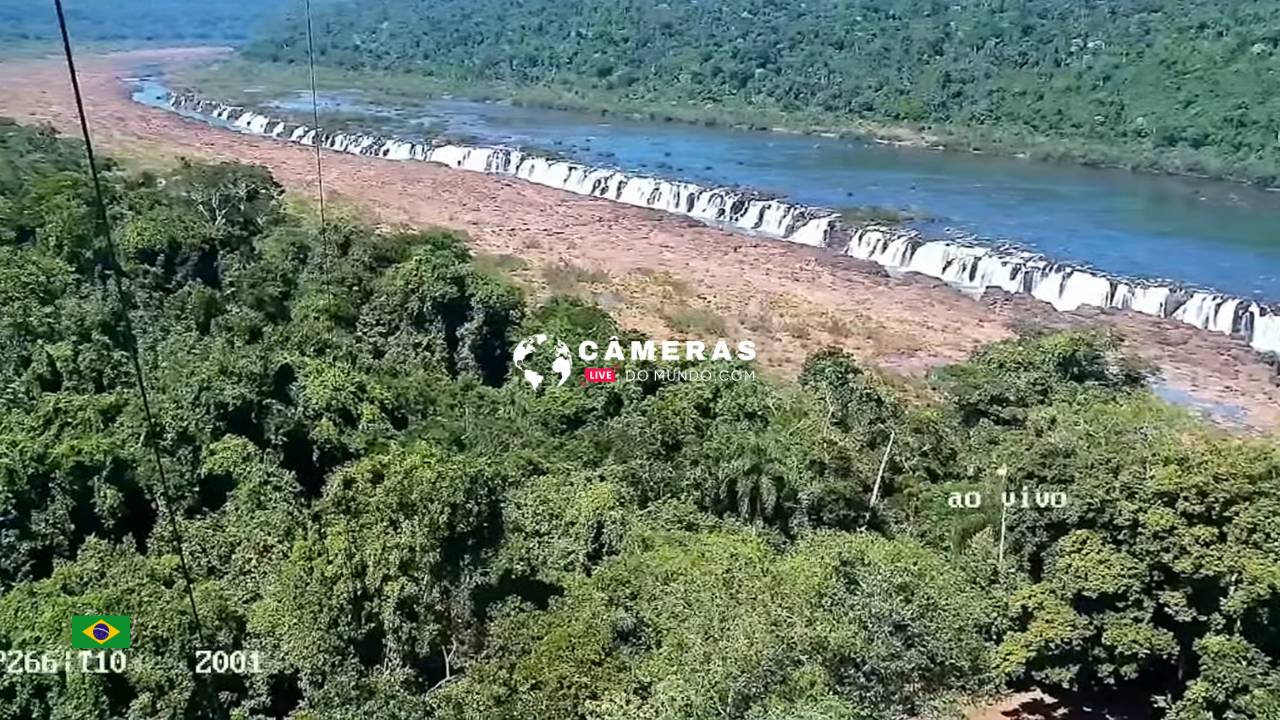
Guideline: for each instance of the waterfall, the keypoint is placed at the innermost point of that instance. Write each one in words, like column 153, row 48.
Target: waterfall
column 968, row 266
column 1265, row 326
column 976, row 268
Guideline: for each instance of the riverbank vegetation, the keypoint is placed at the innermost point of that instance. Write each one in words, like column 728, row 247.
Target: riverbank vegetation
column 1187, row 87
column 371, row 499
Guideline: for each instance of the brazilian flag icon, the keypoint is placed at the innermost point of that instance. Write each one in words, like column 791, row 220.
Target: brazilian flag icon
column 97, row 632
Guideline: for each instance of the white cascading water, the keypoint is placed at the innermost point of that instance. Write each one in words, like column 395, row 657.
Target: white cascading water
column 968, row 266
column 1266, row 332
column 1077, row 288
column 1149, row 300
column 977, row 268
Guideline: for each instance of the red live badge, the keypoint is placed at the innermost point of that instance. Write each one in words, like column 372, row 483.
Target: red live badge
column 600, row 375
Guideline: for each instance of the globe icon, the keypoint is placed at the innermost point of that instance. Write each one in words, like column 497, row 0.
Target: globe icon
column 101, row 632
column 561, row 365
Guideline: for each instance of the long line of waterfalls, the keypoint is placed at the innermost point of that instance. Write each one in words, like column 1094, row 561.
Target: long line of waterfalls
column 970, row 266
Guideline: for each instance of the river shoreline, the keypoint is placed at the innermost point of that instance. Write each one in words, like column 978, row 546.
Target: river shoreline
column 229, row 77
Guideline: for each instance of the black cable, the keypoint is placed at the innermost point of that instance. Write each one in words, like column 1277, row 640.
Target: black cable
column 353, row 597
column 315, row 117
column 131, row 342
column 315, row 113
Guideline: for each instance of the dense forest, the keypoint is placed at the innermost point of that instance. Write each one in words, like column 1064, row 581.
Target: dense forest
column 1189, row 86
column 137, row 21
column 369, row 499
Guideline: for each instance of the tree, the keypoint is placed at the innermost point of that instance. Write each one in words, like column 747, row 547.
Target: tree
column 1005, row 379
column 716, row 623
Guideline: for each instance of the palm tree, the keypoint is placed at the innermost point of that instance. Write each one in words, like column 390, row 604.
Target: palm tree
column 750, row 478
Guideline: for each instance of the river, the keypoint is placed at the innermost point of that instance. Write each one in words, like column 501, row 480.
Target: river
column 1211, row 234
column 1206, row 253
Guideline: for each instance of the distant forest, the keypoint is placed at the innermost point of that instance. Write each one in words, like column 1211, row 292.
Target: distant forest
column 1187, row 86
column 136, row 20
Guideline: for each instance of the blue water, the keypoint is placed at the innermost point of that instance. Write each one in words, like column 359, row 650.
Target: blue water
column 1215, row 235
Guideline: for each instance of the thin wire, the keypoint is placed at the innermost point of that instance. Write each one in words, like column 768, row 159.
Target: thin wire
column 126, row 301
column 315, row 113
column 315, row 116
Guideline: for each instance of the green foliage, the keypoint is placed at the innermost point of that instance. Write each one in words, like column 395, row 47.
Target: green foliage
column 1005, row 379
column 1186, row 86
column 1162, row 544
column 856, row 402
column 1237, row 681
column 718, row 622
column 400, row 527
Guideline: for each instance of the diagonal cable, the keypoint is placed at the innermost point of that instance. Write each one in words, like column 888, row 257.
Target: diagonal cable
column 315, row 113
column 117, row 274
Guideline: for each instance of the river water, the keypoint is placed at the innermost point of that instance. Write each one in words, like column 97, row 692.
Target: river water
column 1209, row 234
